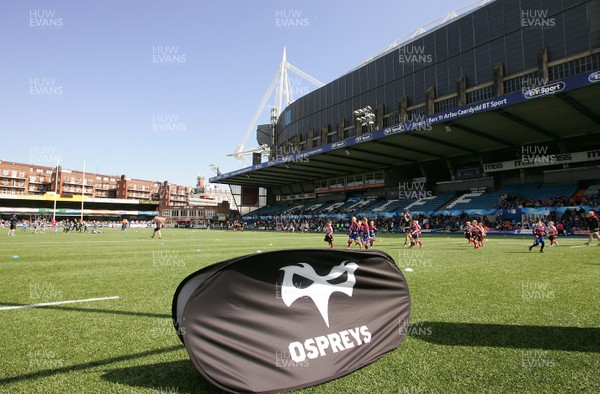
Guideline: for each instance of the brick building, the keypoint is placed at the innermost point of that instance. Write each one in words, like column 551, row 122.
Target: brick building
column 31, row 179
column 172, row 195
column 138, row 188
column 20, row 179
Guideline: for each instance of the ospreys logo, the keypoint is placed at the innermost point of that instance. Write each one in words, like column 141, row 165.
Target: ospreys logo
column 320, row 289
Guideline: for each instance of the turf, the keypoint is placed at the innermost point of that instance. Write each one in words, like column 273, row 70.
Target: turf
column 500, row 319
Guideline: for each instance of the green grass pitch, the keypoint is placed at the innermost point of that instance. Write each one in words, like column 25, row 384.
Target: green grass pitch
column 496, row 320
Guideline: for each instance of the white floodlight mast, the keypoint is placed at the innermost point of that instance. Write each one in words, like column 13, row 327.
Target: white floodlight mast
column 281, row 83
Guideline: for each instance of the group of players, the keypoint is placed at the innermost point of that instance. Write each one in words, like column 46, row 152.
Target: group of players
column 362, row 233
column 475, row 234
column 540, row 230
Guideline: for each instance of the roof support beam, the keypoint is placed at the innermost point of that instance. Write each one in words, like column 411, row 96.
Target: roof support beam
column 382, row 155
column 445, row 143
column 480, row 134
column 582, row 109
column 414, row 150
column 526, row 123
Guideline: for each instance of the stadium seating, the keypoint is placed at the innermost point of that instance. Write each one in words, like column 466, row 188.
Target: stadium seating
column 329, row 208
column 475, row 200
column 593, row 190
column 430, row 203
column 387, row 205
column 529, row 193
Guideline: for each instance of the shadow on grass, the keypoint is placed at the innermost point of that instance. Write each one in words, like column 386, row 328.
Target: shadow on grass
column 79, row 367
column 92, row 310
column 574, row 339
column 174, row 376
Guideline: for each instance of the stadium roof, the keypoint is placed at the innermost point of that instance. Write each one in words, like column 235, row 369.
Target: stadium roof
column 560, row 110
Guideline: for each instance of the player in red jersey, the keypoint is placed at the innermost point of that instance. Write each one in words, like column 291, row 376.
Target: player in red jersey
column 415, row 233
column 353, row 233
column 365, row 234
column 468, row 228
column 329, row 234
column 476, row 234
column 539, row 230
column 372, row 230
column 552, row 234
column 594, row 226
column 483, row 235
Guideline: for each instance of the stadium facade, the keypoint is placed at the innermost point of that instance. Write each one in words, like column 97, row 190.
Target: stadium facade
column 459, row 63
column 504, row 94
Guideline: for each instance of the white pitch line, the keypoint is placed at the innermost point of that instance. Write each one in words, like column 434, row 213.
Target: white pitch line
column 4, row 308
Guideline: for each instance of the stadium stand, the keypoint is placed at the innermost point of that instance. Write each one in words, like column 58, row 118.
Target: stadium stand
column 432, row 203
column 475, row 200
column 509, row 196
column 389, row 206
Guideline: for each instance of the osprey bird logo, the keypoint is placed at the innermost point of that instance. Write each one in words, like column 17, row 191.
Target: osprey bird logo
column 320, row 290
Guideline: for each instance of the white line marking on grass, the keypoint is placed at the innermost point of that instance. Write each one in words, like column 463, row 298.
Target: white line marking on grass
column 88, row 242
column 4, row 308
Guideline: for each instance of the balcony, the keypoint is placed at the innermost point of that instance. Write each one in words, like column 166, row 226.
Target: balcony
column 87, row 184
column 10, row 176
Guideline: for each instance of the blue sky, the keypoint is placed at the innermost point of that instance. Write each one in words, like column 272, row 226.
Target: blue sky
column 160, row 89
